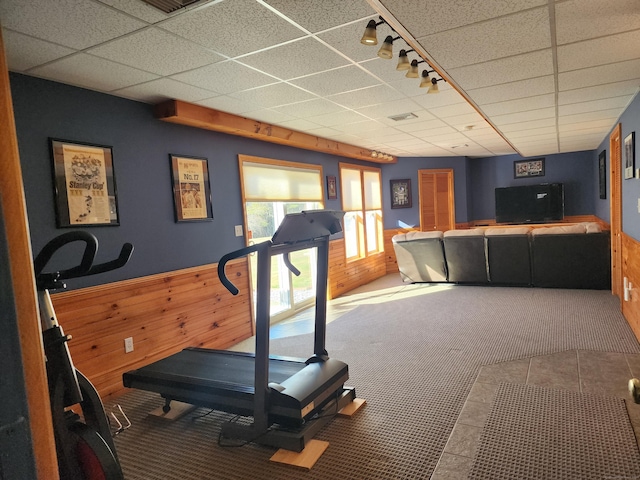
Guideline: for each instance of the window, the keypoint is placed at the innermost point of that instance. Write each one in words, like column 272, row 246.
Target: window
column 362, row 203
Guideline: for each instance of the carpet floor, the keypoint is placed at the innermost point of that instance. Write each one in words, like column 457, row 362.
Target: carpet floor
column 413, row 356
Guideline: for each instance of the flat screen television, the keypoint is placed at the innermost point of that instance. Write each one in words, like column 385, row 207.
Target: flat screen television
column 530, row 203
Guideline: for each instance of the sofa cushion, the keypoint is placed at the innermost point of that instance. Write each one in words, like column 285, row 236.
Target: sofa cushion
column 495, row 231
column 464, row 233
column 420, row 256
column 410, row 236
column 592, row 227
column 564, row 229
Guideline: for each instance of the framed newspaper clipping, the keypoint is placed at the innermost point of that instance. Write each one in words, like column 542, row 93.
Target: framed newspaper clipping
column 84, row 184
column 191, row 188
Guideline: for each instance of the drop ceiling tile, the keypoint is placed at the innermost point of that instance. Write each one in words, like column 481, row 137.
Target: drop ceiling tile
column 138, row 9
column 324, row 132
column 227, row 104
column 337, row 119
column 72, row 23
column 420, row 125
column 546, row 149
column 156, row 51
column 388, row 109
column 317, row 16
column 549, row 112
column 512, row 69
column 491, row 40
column 366, row 97
column 602, row 124
column 444, row 98
column 434, row 132
column 298, row 124
column 386, row 71
column 422, row 115
column 295, row 59
column 25, row 52
column 601, row 51
column 527, row 125
column 453, row 110
column 594, row 105
column 577, row 20
column 442, row 16
column 272, row 95
column 310, row 108
column 162, row 89
column 505, row 92
column 339, row 80
column 217, row 24
column 409, row 87
column 225, row 77
column 533, row 132
column 519, row 105
column 459, row 122
column 92, row 72
column 593, row 76
column 367, row 126
column 609, row 90
column 611, row 114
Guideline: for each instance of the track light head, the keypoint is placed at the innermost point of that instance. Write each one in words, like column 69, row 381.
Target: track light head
column 403, row 60
column 370, row 37
column 386, row 50
column 413, row 70
column 434, row 85
column 426, row 79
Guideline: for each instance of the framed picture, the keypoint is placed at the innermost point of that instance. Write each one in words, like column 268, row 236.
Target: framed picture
column 528, row 168
column 191, row 188
column 602, row 173
column 629, row 155
column 84, row 184
column 332, row 191
column 401, row 193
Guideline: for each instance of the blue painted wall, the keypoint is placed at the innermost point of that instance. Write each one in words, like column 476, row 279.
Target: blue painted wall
column 630, row 121
column 577, row 171
column 141, row 147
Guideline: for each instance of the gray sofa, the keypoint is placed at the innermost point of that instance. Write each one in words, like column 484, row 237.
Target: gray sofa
column 567, row 256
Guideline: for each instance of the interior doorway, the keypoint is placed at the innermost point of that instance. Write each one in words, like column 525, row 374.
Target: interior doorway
column 437, row 204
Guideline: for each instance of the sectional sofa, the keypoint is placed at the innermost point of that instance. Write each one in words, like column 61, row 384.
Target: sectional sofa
column 567, row 256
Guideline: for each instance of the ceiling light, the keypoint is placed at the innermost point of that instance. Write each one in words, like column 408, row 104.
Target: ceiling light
column 370, row 37
column 386, row 50
column 426, row 79
column 413, row 69
column 403, row 60
column 434, row 85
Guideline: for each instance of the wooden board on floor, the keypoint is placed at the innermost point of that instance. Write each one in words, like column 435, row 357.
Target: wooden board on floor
column 306, row 459
column 178, row 409
column 351, row 408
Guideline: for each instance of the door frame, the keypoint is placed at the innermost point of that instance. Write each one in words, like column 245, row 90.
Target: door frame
column 615, row 206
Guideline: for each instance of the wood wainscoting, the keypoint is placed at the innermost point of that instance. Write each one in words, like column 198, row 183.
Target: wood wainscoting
column 631, row 270
column 167, row 312
column 163, row 313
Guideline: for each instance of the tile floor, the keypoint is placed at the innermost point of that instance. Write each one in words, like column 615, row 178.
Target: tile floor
column 602, row 373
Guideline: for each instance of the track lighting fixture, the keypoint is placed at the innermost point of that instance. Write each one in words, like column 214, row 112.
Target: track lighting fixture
column 403, row 60
column 434, row 85
column 413, row 69
column 426, row 80
column 386, row 50
column 370, row 37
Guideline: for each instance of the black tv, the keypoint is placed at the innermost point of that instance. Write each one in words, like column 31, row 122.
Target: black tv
column 530, row 203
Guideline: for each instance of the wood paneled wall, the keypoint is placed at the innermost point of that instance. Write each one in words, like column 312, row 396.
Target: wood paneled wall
column 163, row 313
column 167, row 312
column 631, row 270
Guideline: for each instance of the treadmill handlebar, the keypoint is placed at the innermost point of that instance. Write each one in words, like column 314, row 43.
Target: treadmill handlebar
column 233, row 255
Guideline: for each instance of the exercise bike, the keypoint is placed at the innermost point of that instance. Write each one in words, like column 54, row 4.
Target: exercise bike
column 84, row 443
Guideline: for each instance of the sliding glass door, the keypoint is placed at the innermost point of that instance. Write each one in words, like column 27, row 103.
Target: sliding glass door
column 271, row 190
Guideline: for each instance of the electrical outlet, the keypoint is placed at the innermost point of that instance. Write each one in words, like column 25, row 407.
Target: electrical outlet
column 238, row 230
column 128, row 345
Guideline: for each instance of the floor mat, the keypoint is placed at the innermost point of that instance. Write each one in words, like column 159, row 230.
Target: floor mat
column 543, row 433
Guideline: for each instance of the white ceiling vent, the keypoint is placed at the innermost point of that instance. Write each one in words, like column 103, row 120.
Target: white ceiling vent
column 168, row 6
column 403, row 116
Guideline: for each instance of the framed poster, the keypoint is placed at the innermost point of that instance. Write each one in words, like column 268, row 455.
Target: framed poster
column 191, row 188
column 602, row 173
column 332, row 191
column 84, row 184
column 629, row 155
column 528, row 168
column 401, row 193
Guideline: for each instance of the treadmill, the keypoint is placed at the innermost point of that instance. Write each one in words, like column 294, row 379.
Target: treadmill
column 290, row 399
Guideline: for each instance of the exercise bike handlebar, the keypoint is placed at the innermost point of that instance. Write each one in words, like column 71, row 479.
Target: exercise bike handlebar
column 86, row 267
